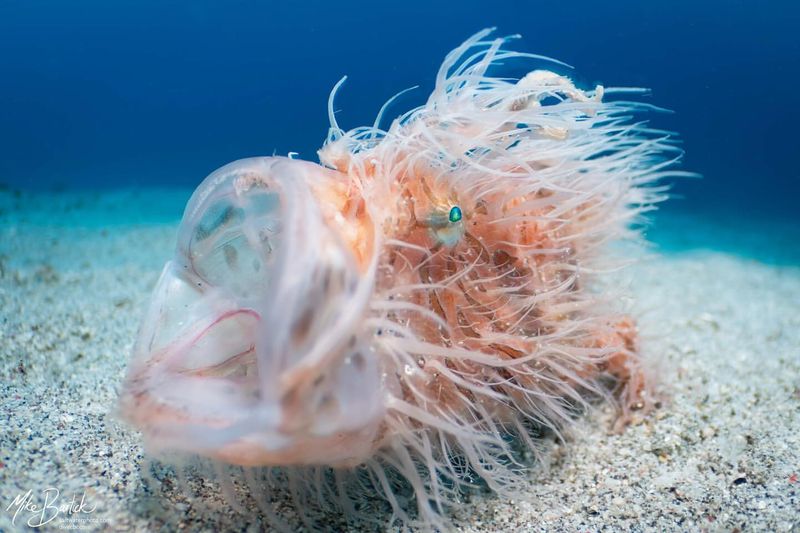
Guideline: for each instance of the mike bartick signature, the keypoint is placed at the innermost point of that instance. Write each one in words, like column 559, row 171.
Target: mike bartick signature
column 39, row 513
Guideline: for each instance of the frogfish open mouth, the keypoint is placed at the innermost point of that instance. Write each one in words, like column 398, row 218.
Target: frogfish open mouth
column 409, row 312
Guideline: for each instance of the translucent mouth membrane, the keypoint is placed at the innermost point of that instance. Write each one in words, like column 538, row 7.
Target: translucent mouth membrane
column 246, row 337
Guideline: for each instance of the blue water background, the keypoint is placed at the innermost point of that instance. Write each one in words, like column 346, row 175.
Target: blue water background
column 99, row 94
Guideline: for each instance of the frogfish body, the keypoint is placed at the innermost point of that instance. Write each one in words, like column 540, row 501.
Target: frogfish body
column 425, row 293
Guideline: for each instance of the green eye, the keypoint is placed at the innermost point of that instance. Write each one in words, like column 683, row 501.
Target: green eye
column 446, row 227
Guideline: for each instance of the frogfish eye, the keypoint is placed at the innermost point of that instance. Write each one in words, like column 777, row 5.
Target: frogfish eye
column 444, row 225
column 455, row 214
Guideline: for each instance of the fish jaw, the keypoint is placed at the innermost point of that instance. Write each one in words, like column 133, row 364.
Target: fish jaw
column 253, row 350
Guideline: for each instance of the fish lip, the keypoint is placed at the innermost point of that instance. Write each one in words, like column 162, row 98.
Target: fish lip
column 152, row 371
column 174, row 365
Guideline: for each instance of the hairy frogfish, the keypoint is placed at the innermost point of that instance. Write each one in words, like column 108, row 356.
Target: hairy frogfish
column 410, row 314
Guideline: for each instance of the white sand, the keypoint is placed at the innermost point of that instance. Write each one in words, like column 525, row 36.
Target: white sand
column 722, row 453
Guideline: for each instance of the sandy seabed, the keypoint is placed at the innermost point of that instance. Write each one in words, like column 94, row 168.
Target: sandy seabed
column 721, row 454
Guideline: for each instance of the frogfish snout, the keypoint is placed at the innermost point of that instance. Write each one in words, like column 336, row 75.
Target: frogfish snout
column 252, row 350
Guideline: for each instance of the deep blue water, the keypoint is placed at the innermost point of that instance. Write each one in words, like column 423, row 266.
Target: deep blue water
column 129, row 93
